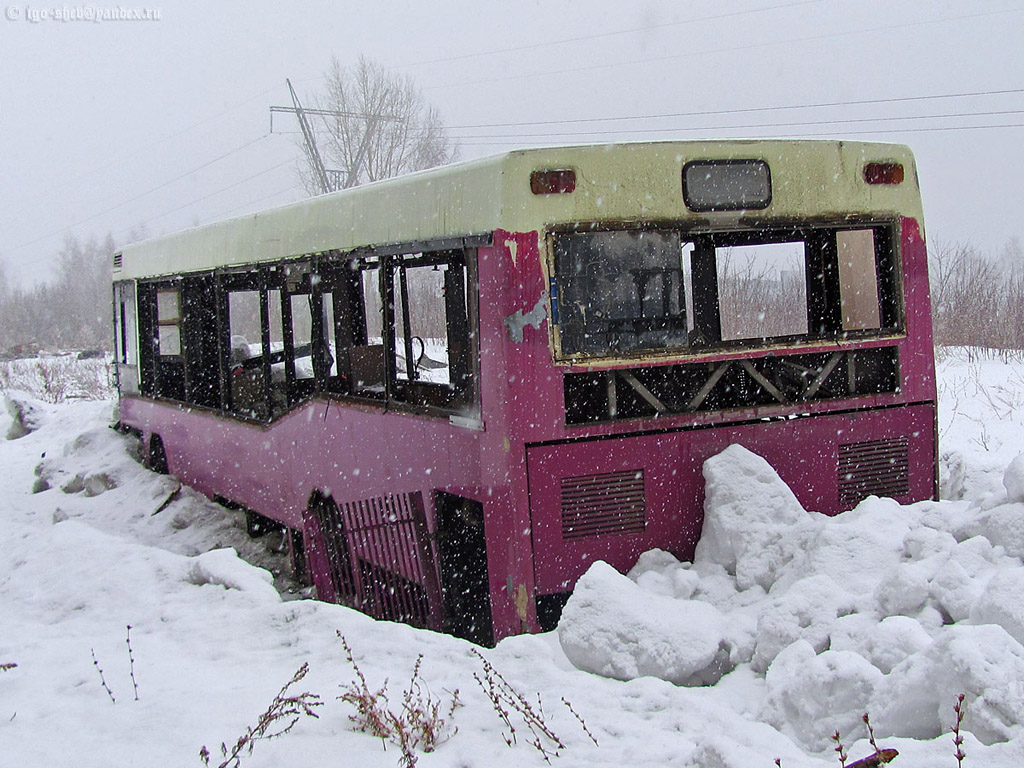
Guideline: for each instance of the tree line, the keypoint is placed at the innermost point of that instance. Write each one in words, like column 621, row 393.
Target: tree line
column 977, row 300
column 70, row 311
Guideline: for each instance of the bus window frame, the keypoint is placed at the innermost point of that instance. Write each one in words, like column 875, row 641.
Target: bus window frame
column 414, row 393
column 313, row 275
column 706, row 304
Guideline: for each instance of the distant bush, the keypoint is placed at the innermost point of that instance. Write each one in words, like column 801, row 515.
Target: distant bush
column 57, row 379
column 977, row 300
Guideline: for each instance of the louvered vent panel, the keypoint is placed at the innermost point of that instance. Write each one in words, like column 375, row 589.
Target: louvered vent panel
column 874, row 467
column 117, row 261
column 599, row 505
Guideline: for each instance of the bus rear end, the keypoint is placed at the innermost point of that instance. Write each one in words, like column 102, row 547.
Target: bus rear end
column 767, row 294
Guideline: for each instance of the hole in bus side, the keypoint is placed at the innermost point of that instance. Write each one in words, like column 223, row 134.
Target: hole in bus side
column 462, row 562
column 156, row 456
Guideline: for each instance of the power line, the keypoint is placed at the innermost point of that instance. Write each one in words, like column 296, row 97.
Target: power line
column 260, row 199
column 748, row 110
column 121, row 157
column 800, row 123
column 927, row 129
column 605, row 35
column 788, row 135
column 733, row 49
column 143, row 194
column 209, row 195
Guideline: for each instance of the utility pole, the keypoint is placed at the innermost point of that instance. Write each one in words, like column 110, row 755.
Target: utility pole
column 329, row 180
column 309, row 143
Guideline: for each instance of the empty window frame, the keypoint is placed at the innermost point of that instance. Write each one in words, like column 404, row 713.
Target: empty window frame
column 126, row 344
column 168, row 321
column 161, row 364
column 630, row 292
column 429, row 341
column 358, row 312
column 248, row 373
column 256, row 341
column 126, row 337
column 398, row 328
column 261, row 380
column 762, row 292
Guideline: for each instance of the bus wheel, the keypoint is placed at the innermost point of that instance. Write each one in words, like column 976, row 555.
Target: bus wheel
column 156, row 457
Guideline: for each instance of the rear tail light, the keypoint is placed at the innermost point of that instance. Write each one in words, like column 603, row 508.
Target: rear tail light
column 552, row 182
column 883, row 173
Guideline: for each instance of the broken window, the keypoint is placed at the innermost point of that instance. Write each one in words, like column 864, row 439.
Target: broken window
column 620, row 293
column 400, row 325
column 256, row 341
column 429, row 341
column 200, row 340
column 126, row 338
column 366, row 354
column 329, row 333
column 248, row 378
column 421, row 335
column 168, row 321
column 761, row 289
column 161, row 364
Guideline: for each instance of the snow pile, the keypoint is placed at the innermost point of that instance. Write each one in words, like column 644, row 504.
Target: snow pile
column 686, row 645
column 26, row 415
column 887, row 609
column 805, row 622
column 222, row 567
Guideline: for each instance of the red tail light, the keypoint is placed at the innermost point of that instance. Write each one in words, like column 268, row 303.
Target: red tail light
column 883, row 173
column 552, row 182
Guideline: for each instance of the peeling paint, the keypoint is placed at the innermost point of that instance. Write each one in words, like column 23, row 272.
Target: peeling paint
column 519, row 319
column 513, row 249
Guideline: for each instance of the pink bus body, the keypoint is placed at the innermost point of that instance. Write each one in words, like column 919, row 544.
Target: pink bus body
column 535, row 495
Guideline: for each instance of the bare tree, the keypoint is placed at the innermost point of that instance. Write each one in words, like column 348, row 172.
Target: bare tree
column 382, row 126
column 977, row 300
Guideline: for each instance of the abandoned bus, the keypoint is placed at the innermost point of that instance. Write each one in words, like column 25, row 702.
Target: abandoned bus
column 456, row 390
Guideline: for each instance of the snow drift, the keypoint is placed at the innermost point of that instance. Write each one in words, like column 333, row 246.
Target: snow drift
column 888, row 609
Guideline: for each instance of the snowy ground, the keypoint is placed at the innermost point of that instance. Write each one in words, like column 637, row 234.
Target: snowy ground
column 787, row 627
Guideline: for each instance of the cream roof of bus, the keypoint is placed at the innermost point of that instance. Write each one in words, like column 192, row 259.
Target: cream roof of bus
column 615, row 182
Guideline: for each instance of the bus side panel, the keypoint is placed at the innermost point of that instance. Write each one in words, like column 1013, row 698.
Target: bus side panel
column 512, row 306
column 346, row 452
column 572, row 530
column 917, row 354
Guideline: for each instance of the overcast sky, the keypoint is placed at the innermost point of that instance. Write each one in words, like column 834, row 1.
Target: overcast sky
column 165, row 123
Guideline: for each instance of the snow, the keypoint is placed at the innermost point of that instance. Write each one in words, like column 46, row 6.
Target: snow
column 787, row 626
column 612, row 627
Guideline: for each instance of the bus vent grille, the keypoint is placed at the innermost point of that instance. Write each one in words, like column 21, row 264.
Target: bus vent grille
column 379, row 557
column 117, row 261
column 599, row 505
column 874, row 467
